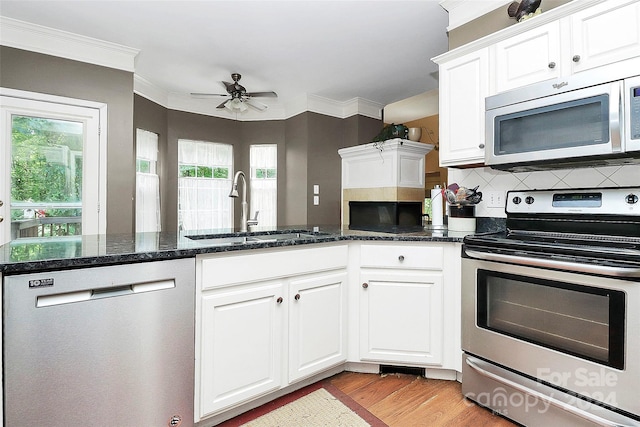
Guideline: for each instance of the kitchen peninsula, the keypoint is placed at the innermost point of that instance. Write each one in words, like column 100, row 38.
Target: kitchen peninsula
column 284, row 307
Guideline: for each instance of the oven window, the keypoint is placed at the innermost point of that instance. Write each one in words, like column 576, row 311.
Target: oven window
column 580, row 320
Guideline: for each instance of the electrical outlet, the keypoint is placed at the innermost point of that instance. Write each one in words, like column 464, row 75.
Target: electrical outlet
column 494, row 199
column 316, row 200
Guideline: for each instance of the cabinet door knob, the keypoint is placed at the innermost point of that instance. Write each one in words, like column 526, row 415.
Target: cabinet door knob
column 297, row 297
column 1, row 203
column 401, row 258
column 576, row 58
column 365, row 285
column 552, row 65
column 480, row 145
column 279, row 300
column 1, row 218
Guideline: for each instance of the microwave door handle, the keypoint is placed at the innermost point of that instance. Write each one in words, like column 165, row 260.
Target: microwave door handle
column 551, row 400
column 558, row 264
column 615, row 117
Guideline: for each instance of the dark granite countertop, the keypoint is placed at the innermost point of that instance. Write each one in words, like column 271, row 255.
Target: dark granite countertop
column 33, row 254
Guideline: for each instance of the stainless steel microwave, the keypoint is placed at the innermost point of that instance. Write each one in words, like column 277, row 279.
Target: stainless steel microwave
column 564, row 123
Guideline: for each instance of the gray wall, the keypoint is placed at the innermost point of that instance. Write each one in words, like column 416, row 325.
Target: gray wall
column 313, row 141
column 35, row 72
column 297, row 137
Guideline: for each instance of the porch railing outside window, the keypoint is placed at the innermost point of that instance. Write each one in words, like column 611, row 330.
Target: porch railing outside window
column 36, row 221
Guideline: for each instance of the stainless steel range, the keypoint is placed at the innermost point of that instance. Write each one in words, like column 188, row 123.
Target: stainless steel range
column 551, row 309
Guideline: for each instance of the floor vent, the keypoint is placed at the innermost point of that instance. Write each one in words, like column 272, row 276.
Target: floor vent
column 387, row 369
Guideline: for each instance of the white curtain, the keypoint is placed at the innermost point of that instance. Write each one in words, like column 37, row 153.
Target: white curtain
column 264, row 190
column 204, row 202
column 147, row 184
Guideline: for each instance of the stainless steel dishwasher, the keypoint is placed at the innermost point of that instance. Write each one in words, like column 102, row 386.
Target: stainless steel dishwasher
column 103, row 346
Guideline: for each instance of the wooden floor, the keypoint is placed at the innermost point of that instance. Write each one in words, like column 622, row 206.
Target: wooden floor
column 401, row 400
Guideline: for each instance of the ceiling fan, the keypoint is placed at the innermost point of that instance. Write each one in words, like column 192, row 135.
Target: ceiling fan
column 240, row 98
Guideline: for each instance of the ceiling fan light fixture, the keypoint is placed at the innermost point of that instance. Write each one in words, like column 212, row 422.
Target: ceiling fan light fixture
column 236, row 105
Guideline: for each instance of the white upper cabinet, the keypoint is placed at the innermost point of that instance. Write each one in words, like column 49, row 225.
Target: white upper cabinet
column 604, row 34
column 529, row 57
column 464, row 83
column 596, row 37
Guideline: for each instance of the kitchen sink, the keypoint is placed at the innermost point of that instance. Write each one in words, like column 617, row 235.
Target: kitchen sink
column 254, row 238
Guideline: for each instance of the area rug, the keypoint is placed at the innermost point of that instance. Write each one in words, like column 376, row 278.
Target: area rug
column 317, row 405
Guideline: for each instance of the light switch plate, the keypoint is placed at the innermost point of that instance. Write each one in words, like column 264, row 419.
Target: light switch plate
column 316, row 200
column 316, row 189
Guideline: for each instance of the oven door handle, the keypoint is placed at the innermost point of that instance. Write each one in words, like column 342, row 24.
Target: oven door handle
column 552, row 401
column 562, row 265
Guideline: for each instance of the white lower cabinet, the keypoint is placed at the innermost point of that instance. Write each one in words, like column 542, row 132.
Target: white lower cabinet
column 408, row 298
column 255, row 336
column 317, row 323
column 241, row 349
column 270, row 319
column 401, row 317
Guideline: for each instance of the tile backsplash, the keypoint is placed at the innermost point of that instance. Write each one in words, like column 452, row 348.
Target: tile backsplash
column 493, row 180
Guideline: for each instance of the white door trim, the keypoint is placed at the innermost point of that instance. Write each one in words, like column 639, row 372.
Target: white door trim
column 99, row 183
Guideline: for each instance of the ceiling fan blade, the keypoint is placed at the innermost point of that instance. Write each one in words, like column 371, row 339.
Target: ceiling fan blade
column 223, row 104
column 207, row 95
column 229, row 86
column 263, row 94
column 255, row 104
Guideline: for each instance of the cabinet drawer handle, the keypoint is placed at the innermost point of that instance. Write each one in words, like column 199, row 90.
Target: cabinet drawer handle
column 401, row 258
column 297, row 297
column 365, row 285
column 480, row 146
column 279, row 300
column 576, row 58
column 552, row 65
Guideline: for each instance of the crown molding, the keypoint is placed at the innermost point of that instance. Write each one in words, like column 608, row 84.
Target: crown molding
column 145, row 88
column 49, row 41
column 329, row 107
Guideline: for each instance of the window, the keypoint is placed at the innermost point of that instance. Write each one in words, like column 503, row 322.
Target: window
column 263, row 161
column 205, row 176
column 52, row 166
column 147, row 182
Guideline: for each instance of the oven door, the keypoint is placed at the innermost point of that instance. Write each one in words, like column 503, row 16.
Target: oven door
column 566, row 330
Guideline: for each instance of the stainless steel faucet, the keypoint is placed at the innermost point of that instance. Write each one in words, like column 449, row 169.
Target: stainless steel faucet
column 244, row 222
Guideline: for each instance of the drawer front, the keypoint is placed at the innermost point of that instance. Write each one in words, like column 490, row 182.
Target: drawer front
column 402, row 256
column 258, row 265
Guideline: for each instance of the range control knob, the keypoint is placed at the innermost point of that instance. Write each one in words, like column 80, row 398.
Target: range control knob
column 631, row 199
column 516, row 200
column 529, row 200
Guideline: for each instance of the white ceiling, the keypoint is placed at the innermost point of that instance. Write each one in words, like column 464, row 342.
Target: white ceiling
column 378, row 51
